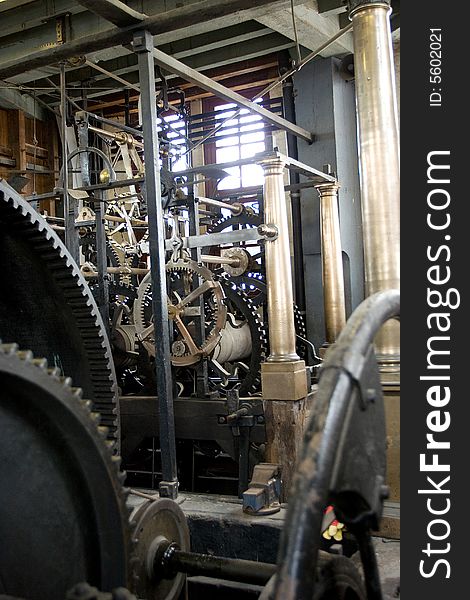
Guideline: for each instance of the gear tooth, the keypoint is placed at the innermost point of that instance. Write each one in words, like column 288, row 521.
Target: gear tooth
column 9, row 348
column 77, row 393
column 95, row 417
column 25, row 355
column 41, row 363
column 54, row 372
column 103, row 431
column 66, row 381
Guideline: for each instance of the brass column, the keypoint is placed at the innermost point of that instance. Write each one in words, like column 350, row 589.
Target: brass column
column 332, row 262
column 378, row 157
column 283, row 374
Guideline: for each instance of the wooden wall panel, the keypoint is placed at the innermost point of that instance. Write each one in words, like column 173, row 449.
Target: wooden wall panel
column 30, row 149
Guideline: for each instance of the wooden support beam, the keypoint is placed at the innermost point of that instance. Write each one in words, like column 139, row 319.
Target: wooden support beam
column 114, row 11
column 285, row 426
column 169, row 21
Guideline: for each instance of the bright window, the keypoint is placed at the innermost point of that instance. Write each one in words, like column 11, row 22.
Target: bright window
column 241, row 137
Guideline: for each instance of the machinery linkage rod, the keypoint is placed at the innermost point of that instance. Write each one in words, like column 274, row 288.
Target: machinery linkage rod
column 170, row 560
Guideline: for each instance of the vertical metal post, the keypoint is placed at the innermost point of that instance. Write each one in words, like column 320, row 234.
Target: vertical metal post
column 378, row 157
column 70, row 204
column 332, row 262
column 292, row 147
column 202, row 371
column 283, row 375
column 101, row 258
column 143, row 46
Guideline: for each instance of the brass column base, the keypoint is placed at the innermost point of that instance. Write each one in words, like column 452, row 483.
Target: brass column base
column 284, row 380
column 389, row 367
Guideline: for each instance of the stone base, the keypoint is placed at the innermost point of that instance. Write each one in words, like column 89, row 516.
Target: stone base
column 284, row 380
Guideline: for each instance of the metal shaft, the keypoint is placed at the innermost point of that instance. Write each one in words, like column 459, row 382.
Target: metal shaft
column 101, row 259
column 231, row 569
column 378, row 156
column 120, row 137
column 143, row 46
column 332, row 262
column 235, row 208
column 278, row 265
column 220, row 260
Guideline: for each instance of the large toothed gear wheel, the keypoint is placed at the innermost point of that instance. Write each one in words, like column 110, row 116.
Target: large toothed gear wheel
column 63, row 517
column 245, row 371
column 46, row 305
column 184, row 298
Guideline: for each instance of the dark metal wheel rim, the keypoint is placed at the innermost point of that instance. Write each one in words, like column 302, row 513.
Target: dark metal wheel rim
column 63, row 516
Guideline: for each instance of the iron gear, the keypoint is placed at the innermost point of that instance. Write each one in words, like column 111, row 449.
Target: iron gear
column 122, row 333
column 47, row 305
column 184, row 289
column 301, row 333
column 116, row 257
column 81, row 531
column 88, row 247
column 254, row 286
column 239, row 305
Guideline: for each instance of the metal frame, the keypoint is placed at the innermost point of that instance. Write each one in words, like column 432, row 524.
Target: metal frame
column 206, row 83
column 292, row 164
column 143, row 46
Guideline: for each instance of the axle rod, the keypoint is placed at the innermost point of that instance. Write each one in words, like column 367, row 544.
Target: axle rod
column 172, row 561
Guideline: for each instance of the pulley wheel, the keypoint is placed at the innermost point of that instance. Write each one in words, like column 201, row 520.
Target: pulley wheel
column 155, row 521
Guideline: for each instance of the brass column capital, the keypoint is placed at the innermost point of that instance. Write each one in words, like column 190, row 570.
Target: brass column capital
column 328, row 188
column 273, row 165
column 357, row 5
